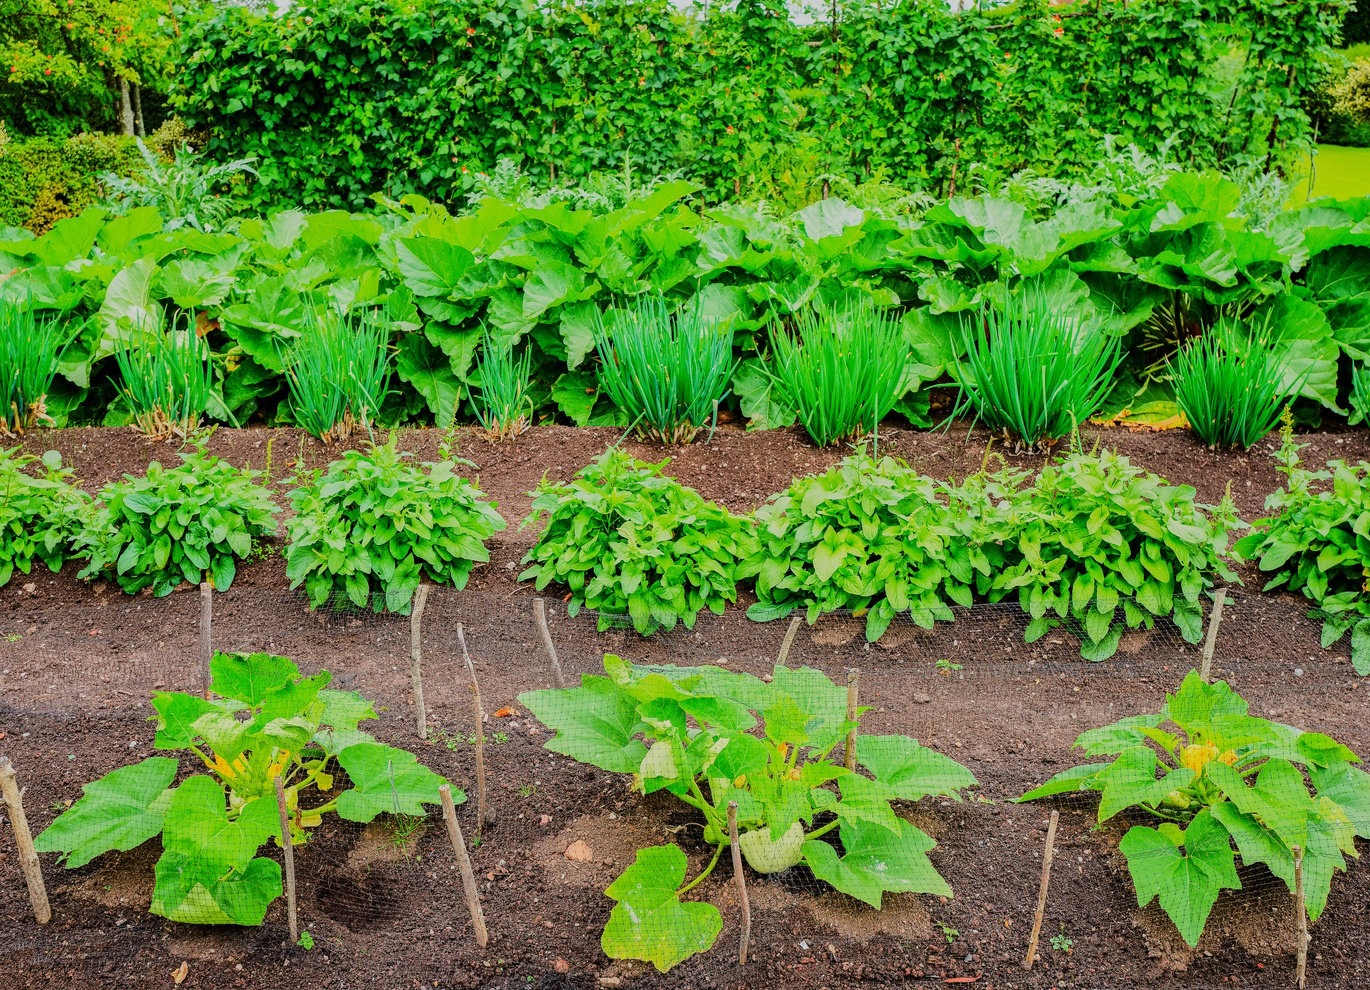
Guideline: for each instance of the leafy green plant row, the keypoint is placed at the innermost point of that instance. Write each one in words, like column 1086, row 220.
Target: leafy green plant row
column 1091, row 542
column 455, row 307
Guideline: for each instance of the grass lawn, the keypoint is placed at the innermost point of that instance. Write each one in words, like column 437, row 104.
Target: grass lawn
column 1341, row 173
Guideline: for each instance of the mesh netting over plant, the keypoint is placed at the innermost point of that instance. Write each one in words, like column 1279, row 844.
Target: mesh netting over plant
column 599, row 838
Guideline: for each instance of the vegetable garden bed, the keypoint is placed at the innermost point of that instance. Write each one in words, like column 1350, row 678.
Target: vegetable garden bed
column 79, row 662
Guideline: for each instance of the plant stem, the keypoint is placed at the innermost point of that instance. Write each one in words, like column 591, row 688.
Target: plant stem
column 816, row 833
column 718, row 851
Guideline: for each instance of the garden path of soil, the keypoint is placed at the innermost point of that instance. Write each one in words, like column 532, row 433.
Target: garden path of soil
column 77, row 662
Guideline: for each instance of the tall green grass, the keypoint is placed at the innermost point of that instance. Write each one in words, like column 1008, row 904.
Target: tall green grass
column 841, row 371
column 167, row 377
column 30, row 348
column 1033, row 370
column 1360, row 393
column 338, row 371
column 668, row 371
column 1229, row 385
column 503, row 403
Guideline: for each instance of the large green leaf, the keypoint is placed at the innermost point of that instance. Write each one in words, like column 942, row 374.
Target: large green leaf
column 876, row 860
column 386, row 779
column 430, row 372
column 911, row 771
column 250, row 677
column 1186, row 881
column 595, row 723
column 650, row 922
column 431, row 266
column 1131, row 780
column 121, row 810
column 194, row 891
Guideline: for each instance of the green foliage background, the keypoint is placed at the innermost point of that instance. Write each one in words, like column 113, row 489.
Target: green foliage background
column 344, row 99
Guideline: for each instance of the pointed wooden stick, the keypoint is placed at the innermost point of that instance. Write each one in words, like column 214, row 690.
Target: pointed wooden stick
column 416, row 657
column 23, row 838
column 288, row 848
column 540, row 611
column 853, row 693
column 741, row 879
column 484, row 813
column 1211, row 642
column 1042, row 891
column 1301, row 970
column 788, row 642
column 206, row 627
column 468, row 877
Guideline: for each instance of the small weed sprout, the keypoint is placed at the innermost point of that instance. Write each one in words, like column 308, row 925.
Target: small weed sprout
column 1061, row 942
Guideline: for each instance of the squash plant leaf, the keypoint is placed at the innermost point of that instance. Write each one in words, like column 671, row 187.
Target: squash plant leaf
column 877, row 860
column 121, row 810
column 911, row 771
column 386, row 779
column 595, row 723
column 1186, row 879
column 650, row 922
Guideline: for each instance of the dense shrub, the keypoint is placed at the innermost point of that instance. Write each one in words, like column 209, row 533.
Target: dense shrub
column 340, row 100
column 192, row 523
column 376, row 524
column 45, row 180
column 626, row 539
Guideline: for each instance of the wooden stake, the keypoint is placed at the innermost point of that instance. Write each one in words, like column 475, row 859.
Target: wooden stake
column 1042, row 892
column 468, row 878
column 540, row 610
column 23, row 838
column 741, row 886
column 483, row 811
column 853, row 692
column 788, row 642
column 289, row 850
column 1301, row 972
column 206, row 625
column 1219, row 597
column 416, row 657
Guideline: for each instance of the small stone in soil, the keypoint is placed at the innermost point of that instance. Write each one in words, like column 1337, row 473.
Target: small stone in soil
column 579, row 851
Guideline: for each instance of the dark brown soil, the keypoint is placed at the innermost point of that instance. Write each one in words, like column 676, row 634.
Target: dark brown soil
column 77, row 663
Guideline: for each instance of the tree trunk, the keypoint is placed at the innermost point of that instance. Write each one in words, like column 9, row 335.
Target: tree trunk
column 125, row 108
column 138, row 110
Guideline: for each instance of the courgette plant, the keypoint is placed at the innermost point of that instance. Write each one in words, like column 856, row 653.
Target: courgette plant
column 262, row 719
column 710, row 736
column 1216, row 776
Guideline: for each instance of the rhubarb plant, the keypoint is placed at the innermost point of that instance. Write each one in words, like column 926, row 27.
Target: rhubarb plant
column 711, row 736
column 262, row 719
column 1211, row 775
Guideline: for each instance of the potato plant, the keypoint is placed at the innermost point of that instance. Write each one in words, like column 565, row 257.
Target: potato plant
column 262, row 719
column 192, row 522
column 626, row 539
column 876, row 537
column 40, row 514
column 1108, row 546
column 711, row 736
column 376, row 524
column 1317, row 541
column 1210, row 775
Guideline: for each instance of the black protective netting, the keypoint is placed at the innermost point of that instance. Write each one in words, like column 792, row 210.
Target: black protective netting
column 75, row 684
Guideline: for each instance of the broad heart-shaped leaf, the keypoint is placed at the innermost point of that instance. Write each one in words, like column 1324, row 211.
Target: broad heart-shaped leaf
column 1186, row 881
column 809, row 709
column 1196, row 703
column 250, row 677
column 1131, row 780
column 1072, row 781
column 198, row 827
column 911, row 771
column 176, row 717
column 342, row 712
column 194, row 891
column 595, row 723
column 430, row 372
column 877, row 859
column 650, row 922
column 121, row 810
column 386, row 779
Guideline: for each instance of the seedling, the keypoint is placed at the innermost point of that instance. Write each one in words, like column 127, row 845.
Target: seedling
column 689, row 731
column 946, row 667
column 949, row 933
column 1217, row 777
column 262, row 719
column 306, row 941
column 1061, row 942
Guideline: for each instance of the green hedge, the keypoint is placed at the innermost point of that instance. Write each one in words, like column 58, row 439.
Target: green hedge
column 46, row 180
column 342, row 99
